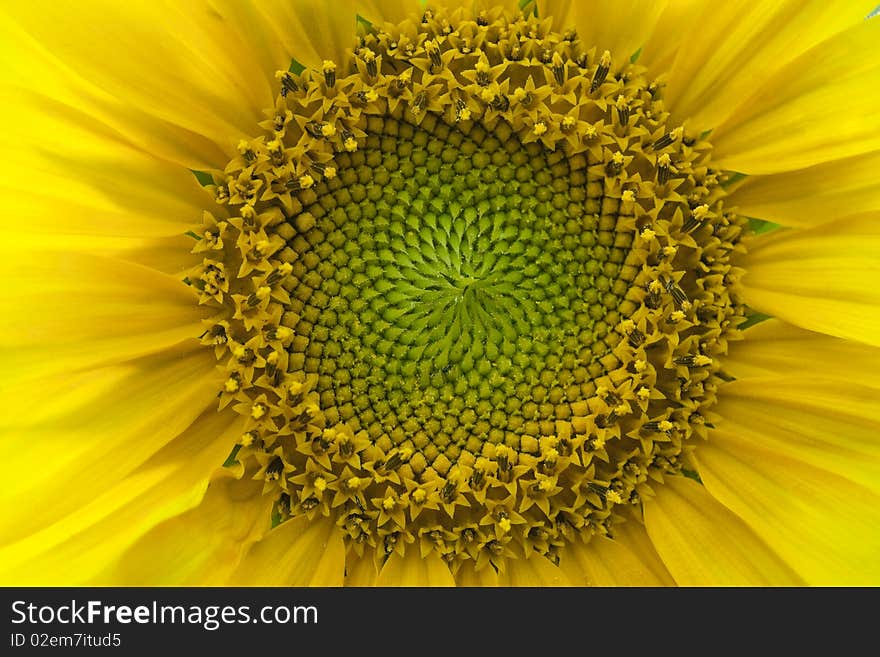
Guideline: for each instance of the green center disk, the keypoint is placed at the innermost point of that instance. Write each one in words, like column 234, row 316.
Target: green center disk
column 455, row 289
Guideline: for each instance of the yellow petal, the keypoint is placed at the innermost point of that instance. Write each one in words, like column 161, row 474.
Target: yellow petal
column 201, row 546
column 309, row 31
column 672, row 30
column 605, row 562
column 824, row 526
column 535, row 571
column 776, row 348
column 738, row 45
column 822, row 106
column 67, row 310
column 78, row 435
column 168, row 76
column 414, row 570
column 827, row 424
column 360, row 571
column 811, row 196
column 299, row 552
column 824, row 279
column 468, row 576
column 619, row 26
column 110, row 539
column 703, row 543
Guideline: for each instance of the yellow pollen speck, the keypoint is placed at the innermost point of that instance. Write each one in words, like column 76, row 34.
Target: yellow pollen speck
column 676, row 316
column 656, row 287
column 701, row 211
column 617, row 158
column 388, row 503
column 329, row 174
column 540, row 128
column 272, row 358
column 669, row 251
column 231, row 385
column 328, row 129
column 258, row 411
column 294, row 388
column 354, row 482
column 504, row 525
column 320, row 484
column 599, row 442
column 643, row 393
column 605, row 60
column 568, row 122
column 648, row 234
column 665, row 425
column 243, row 145
column 465, row 114
column 487, row 95
column 545, row 485
column 247, row 439
column 283, row 333
column 350, row 144
column 700, row 360
column 482, row 66
column 628, row 196
column 328, row 66
column 239, row 352
column 419, row 496
column 263, row 292
column 664, row 160
column 677, row 133
column 519, row 94
column 372, row 95
column 306, row 181
column 640, row 365
column 614, row 497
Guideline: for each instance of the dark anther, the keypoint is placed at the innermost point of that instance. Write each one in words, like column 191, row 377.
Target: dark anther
column 623, row 114
column 677, row 293
column 613, row 168
column 663, row 142
column 288, row 84
column 477, row 479
column 418, row 102
column 636, row 338
column 662, row 174
column 559, row 74
column 691, row 224
column 275, row 466
column 500, row 103
column 314, row 128
column 482, row 21
column 483, row 78
column 604, row 421
column 447, row 493
column 599, row 77
column 689, row 360
column 330, row 77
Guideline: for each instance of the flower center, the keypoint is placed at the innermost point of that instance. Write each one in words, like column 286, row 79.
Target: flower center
column 473, row 290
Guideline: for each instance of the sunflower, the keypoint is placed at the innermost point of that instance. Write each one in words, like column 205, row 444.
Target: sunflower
column 465, row 293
